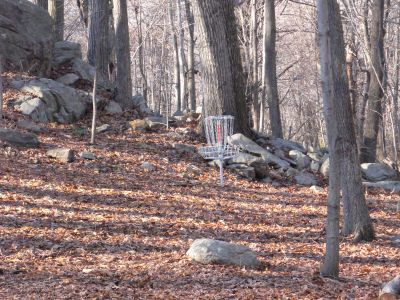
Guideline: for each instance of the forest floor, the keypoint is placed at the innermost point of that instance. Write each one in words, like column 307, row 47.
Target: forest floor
column 106, row 229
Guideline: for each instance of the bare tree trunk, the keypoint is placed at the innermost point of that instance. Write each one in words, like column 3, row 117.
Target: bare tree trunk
column 94, row 117
column 177, row 77
column 339, row 122
column 182, row 60
column 191, row 70
column 396, row 96
column 42, row 3
column 328, row 15
column 374, row 112
column 138, row 13
column 1, row 89
column 83, row 6
column 254, row 54
column 98, row 43
column 123, row 61
column 270, row 85
column 56, row 11
column 221, row 62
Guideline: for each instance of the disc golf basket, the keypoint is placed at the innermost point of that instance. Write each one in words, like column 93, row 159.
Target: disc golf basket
column 218, row 129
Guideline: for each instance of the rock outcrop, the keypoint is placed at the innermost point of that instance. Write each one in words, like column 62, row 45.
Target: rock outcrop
column 26, row 38
column 51, row 101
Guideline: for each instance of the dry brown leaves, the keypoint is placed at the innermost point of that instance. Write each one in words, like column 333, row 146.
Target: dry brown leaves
column 106, row 229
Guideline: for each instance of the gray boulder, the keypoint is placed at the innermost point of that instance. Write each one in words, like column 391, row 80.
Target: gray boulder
column 314, row 165
column 391, row 186
column 243, row 171
column 68, row 79
column 208, row 251
column 66, row 52
column 64, row 155
column 287, row 145
column 305, row 178
column 20, row 139
column 378, row 172
column 26, row 38
column 244, row 158
column 54, row 102
column 87, row 155
column 30, row 126
column 113, row 108
column 184, row 148
column 249, row 146
column 302, row 160
column 140, row 104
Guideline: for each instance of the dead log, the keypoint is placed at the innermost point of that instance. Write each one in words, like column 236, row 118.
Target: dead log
column 391, row 290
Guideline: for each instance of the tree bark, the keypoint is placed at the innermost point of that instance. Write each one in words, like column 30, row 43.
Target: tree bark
column 340, row 122
column 177, row 77
column 94, row 103
column 191, row 65
column 98, row 43
column 182, row 59
column 270, row 85
column 254, row 68
column 42, row 3
column 374, row 112
column 56, row 11
column 327, row 28
column 1, row 90
column 138, row 14
column 224, row 85
column 122, row 53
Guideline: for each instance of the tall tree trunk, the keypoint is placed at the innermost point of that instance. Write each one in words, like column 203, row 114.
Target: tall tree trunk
column 270, row 85
column 177, row 77
column 182, row 59
column 123, row 61
column 374, row 112
column 328, row 23
column 83, row 6
column 223, row 76
column 1, row 89
column 191, row 70
column 42, row 3
column 138, row 14
column 56, row 11
column 94, row 103
column 254, row 68
column 98, row 43
column 396, row 95
column 341, row 126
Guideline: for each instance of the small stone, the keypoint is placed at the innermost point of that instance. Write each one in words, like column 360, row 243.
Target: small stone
column 147, row 166
column 193, row 169
column 87, row 155
column 103, row 128
column 316, row 189
column 208, row 251
column 184, row 148
column 62, row 154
